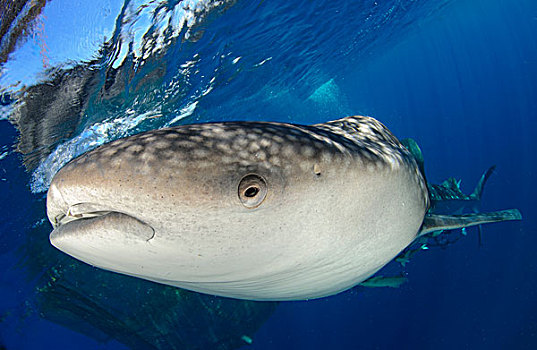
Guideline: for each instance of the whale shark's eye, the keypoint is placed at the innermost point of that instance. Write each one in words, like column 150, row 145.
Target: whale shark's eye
column 252, row 190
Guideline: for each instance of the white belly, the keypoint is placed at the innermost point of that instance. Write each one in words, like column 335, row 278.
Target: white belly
column 317, row 243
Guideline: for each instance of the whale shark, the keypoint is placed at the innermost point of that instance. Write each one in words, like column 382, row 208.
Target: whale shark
column 248, row 210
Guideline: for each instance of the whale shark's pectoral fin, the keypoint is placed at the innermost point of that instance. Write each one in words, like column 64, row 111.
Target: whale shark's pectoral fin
column 433, row 222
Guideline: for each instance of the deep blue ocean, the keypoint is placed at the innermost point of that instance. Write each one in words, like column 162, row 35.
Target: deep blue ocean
column 460, row 77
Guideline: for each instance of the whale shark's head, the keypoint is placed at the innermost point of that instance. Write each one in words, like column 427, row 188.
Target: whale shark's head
column 248, row 210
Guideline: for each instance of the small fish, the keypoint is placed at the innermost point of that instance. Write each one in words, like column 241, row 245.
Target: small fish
column 248, row 340
column 448, row 198
column 384, row 281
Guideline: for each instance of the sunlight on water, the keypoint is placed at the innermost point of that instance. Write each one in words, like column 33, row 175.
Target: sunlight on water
column 327, row 94
column 147, row 65
column 150, row 28
column 5, row 112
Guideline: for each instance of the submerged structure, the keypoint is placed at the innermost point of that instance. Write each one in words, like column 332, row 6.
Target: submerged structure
column 137, row 313
column 145, row 315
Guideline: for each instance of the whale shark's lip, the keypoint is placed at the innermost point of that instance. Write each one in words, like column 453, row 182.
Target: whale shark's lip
column 104, row 239
column 64, row 219
column 78, row 211
column 73, row 225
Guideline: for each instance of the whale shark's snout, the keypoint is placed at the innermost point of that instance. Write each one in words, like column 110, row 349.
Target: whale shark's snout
column 94, row 233
column 251, row 210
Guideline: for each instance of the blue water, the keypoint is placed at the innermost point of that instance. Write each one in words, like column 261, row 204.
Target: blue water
column 458, row 76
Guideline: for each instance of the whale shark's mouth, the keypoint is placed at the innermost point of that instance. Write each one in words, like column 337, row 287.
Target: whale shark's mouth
column 106, row 239
column 78, row 212
column 92, row 219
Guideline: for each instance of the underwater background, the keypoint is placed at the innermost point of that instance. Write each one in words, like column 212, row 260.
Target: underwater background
column 458, row 76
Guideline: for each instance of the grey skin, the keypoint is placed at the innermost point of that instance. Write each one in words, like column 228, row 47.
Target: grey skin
column 249, row 210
